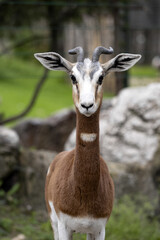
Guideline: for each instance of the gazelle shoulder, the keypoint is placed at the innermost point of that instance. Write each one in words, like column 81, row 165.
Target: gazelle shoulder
column 60, row 158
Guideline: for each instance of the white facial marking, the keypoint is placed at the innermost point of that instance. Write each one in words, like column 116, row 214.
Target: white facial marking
column 87, row 63
column 88, row 137
column 86, row 88
column 48, row 171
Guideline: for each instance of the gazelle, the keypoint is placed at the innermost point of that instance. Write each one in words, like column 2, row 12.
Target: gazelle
column 79, row 190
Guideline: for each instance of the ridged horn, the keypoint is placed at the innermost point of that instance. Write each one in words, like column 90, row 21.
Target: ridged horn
column 80, row 53
column 100, row 50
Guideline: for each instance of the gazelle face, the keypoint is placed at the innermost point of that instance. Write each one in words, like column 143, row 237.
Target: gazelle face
column 86, row 75
column 87, row 79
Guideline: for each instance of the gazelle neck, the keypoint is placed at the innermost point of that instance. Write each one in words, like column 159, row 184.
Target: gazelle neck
column 87, row 164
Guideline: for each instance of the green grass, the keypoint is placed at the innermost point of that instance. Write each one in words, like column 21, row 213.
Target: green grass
column 140, row 71
column 18, row 78
column 129, row 221
column 17, row 81
column 133, row 220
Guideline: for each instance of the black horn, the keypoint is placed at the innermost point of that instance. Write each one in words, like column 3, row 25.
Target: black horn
column 80, row 53
column 100, row 50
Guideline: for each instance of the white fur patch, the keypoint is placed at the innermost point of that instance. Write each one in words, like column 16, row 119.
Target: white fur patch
column 64, row 225
column 87, row 63
column 83, row 224
column 88, row 137
column 48, row 171
column 54, row 221
column 53, row 214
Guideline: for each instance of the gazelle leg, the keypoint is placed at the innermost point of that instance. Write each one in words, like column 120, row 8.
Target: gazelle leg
column 55, row 230
column 53, row 220
column 98, row 236
column 64, row 232
column 90, row 236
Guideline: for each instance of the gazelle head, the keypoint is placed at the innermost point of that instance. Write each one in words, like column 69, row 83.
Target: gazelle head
column 87, row 75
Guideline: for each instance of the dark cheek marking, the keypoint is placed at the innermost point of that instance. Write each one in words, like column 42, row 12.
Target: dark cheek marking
column 92, row 73
column 77, row 90
column 96, row 92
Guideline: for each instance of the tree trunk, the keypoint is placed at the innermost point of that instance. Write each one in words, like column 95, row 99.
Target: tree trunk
column 121, row 44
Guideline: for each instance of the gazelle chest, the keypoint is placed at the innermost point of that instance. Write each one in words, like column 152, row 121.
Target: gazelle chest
column 83, row 224
column 77, row 224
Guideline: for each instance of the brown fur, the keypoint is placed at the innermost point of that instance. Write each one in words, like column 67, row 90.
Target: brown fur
column 79, row 183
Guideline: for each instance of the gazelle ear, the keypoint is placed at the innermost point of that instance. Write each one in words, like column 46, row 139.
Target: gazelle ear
column 54, row 61
column 121, row 62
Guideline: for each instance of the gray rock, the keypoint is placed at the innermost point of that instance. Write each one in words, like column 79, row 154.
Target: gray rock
column 130, row 142
column 34, row 166
column 9, row 151
column 48, row 134
column 134, row 179
column 9, row 140
column 19, row 237
column 128, row 178
column 130, row 127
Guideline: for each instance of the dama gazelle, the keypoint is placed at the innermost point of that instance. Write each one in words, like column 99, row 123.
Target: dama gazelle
column 79, row 190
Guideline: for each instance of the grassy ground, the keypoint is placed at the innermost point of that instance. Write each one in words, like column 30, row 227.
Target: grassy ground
column 143, row 75
column 17, row 81
column 19, row 77
column 127, row 222
column 143, row 71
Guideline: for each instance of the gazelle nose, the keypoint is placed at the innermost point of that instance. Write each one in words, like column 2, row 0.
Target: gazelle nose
column 87, row 106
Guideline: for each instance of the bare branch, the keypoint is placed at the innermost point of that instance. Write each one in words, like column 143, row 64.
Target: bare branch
column 32, row 101
column 22, row 42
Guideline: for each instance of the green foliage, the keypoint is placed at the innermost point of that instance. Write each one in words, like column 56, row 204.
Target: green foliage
column 19, row 77
column 17, row 82
column 10, row 196
column 130, row 220
column 6, row 224
column 143, row 71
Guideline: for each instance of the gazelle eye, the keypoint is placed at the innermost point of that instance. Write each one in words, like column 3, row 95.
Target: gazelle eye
column 100, row 80
column 74, row 81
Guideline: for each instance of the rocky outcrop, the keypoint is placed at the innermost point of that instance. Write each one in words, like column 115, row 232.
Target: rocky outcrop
column 23, row 166
column 34, row 167
column 49, row 134
column 129, row 140
column 129, row 178
column 130, row 127
column 9, row 140
column 135, row 179
column 9, row 150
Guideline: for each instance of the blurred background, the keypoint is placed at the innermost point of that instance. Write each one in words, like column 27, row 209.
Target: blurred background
column 37, row 119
